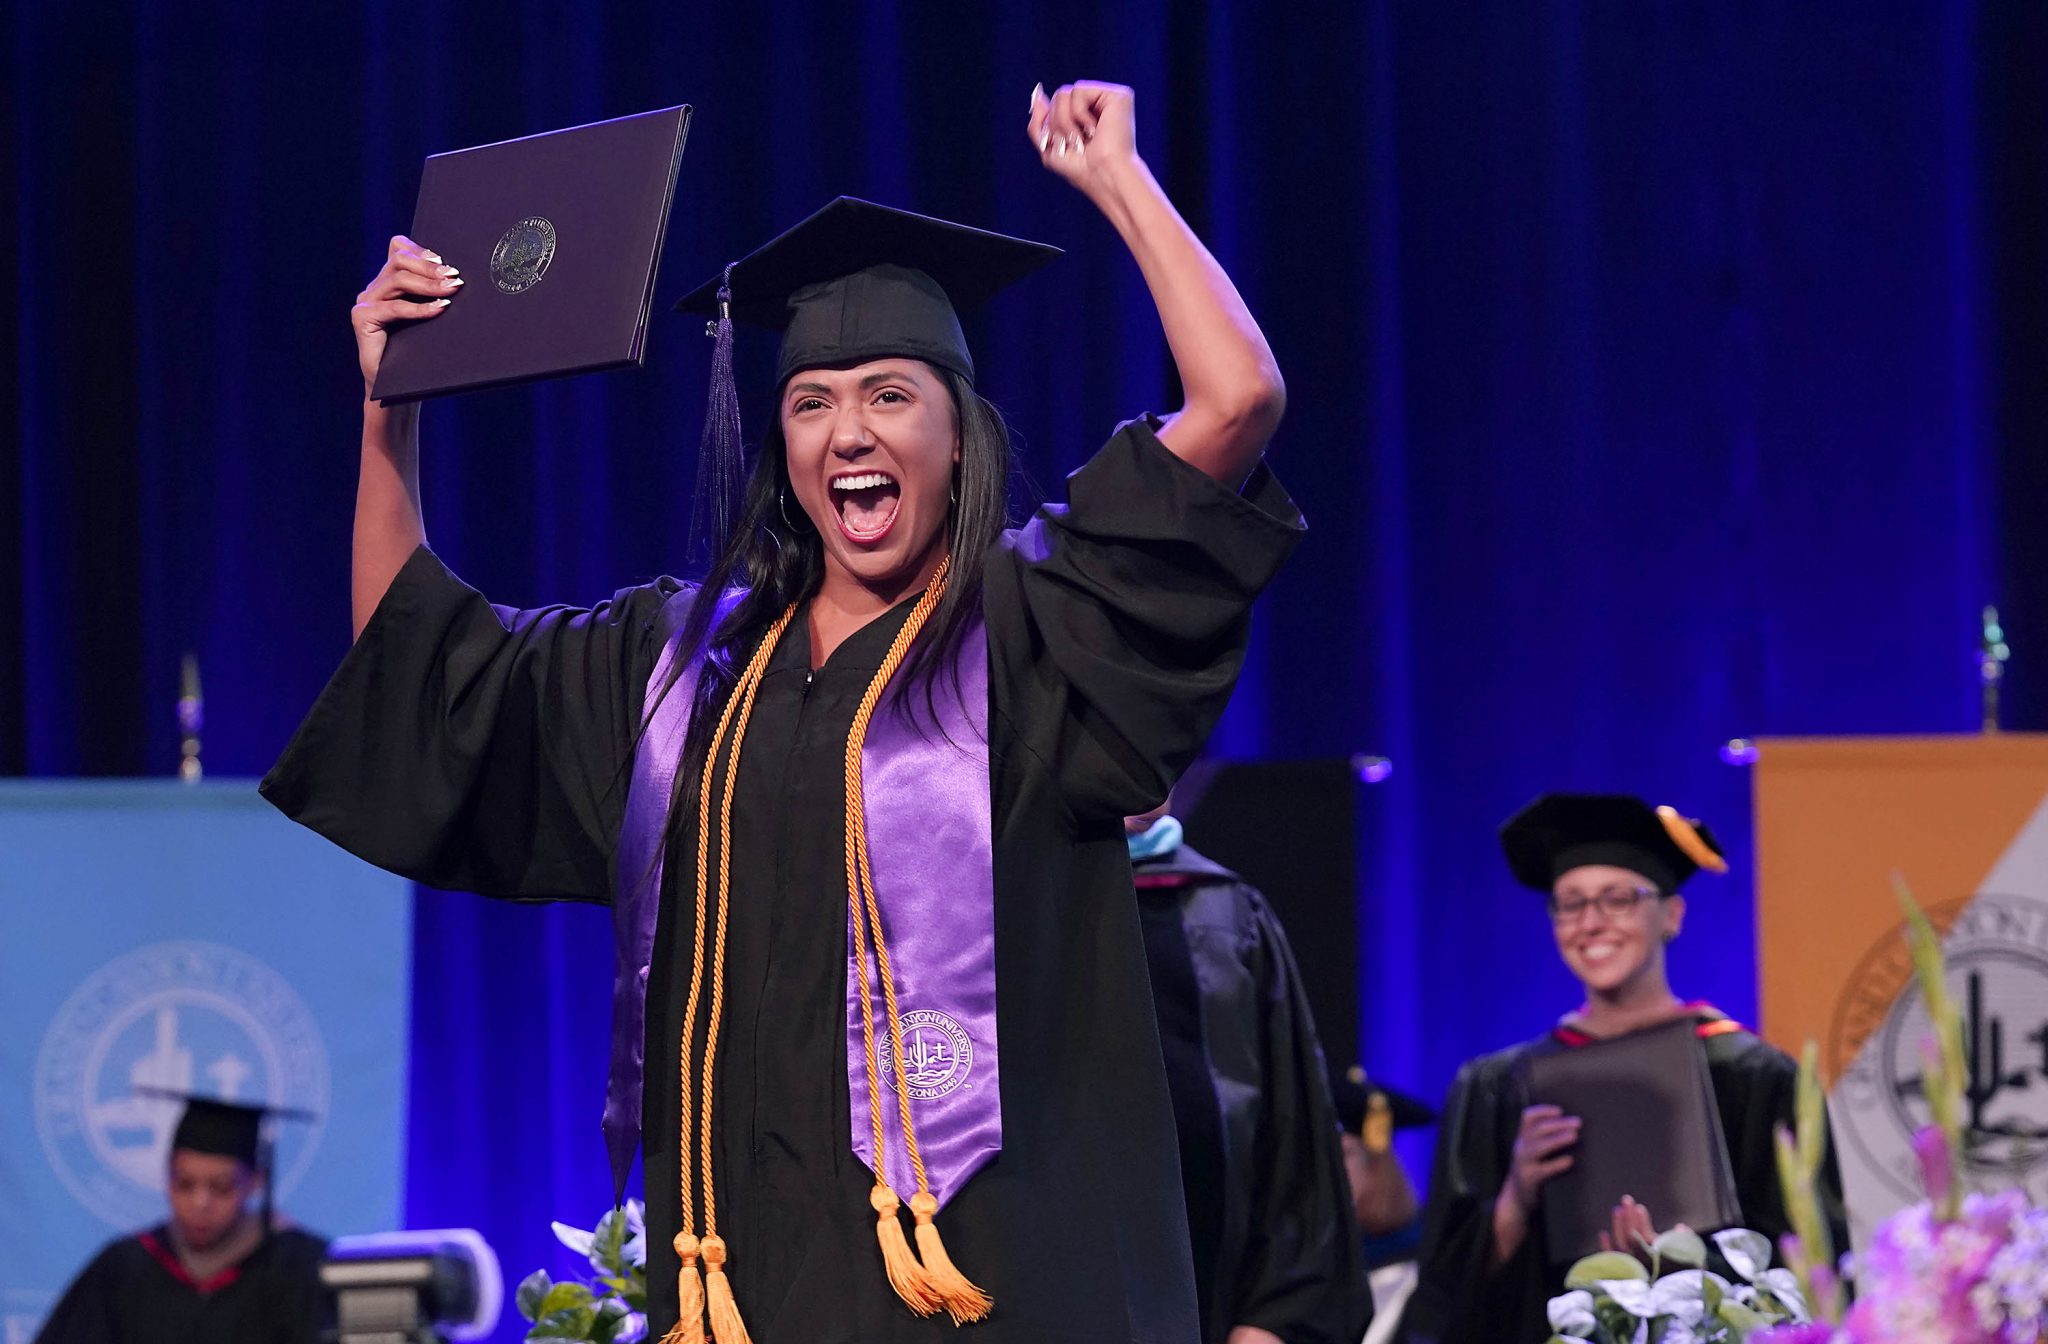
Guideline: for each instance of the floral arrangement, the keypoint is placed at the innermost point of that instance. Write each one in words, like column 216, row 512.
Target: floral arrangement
column 1611, row 1298
column 1955, row 1268
column 609, row 1308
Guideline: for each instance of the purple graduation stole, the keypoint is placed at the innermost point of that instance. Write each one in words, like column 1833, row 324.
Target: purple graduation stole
column 931, row 853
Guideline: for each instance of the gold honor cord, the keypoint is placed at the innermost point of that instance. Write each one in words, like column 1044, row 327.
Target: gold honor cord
column 936, row 1282
column 726, row 1324
column 925, row 1286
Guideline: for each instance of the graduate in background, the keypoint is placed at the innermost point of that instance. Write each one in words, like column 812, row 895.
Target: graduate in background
column 1382, row 1197
column 882, row 716
column 1276, row 1252
column 219, row 1272
column 1610, row 868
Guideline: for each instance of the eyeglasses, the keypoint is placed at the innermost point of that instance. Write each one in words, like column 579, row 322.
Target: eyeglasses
column 1613, row 902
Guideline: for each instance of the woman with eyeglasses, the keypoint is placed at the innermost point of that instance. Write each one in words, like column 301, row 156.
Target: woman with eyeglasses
column 1610, row 868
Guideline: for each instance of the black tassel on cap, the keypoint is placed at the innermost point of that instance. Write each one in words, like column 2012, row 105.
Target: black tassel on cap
column 719, row 476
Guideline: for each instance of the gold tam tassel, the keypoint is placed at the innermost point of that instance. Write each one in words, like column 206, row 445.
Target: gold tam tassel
column 689, row 1326
column 963, row 1301
column 906, row 1276
column 726, row 1325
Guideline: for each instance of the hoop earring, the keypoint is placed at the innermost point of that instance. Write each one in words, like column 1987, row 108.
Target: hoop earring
column 782, row 507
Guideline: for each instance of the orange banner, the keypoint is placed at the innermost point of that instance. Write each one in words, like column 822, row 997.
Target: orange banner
column 1963, row 821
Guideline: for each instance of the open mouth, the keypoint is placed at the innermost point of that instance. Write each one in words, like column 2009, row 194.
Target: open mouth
column 866, row 502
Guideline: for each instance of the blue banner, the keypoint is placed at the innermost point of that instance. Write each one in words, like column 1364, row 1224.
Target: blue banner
column 156, row 934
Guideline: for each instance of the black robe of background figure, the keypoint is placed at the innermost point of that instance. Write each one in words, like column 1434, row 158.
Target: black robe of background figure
column 1462, row 1298
column 135, row 1292
column 1269, row 1205
column 484, row 749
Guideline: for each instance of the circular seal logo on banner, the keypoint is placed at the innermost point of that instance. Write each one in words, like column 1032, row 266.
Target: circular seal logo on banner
column 1997, row 953
column 521, row 257
column 188, row 1017
column 937, row 1055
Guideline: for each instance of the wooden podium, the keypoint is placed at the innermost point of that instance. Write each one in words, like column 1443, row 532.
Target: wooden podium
column 1964, row 820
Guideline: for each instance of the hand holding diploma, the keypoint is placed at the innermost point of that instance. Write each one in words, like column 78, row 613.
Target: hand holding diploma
column 1543, row 1146
column 414, row 284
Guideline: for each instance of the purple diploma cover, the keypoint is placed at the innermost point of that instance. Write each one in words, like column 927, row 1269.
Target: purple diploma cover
column 558, row 238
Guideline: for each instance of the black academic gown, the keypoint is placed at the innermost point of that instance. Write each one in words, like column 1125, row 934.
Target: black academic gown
column 485, row 749
column 1269, row 1205
column 1461, row 1299
column 134, row 1292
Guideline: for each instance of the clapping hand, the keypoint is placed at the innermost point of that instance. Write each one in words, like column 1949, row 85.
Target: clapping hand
column 1630, row 1230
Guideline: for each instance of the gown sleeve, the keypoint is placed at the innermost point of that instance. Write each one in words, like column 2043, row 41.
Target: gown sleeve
column 1132, row 606
column 1304, row 1275
column 477, row 747
column 1460, row 1296
column 83, row 1315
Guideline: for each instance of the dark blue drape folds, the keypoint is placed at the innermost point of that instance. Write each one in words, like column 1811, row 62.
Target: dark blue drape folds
column 1659, row 374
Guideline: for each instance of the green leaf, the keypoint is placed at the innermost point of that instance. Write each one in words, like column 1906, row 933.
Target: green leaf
column 611, row 1314
column 608, row 1240
column 1604, row 1265
column 532, row 1289
column 568, row 1323
column 1747, row 1253
column 1740, row 1319
column 1633, row 1296
column 1682, row 1247
column 575, row 1238
column 564, row 1296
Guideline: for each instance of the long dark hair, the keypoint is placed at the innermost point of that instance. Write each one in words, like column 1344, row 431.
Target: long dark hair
column 766, row 563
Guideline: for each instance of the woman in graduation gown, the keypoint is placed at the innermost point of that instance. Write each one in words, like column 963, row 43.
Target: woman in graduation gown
column 1047, row 682
column 1610, row 867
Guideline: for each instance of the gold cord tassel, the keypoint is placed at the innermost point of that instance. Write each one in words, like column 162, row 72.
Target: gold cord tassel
column 709, row 1293
column 689, row 1326
column 963, row 1301
column 906, row 1275
column 938, row 1280
column 726, row 1325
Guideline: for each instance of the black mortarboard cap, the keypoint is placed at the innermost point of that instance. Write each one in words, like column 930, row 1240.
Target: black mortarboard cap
column 859, row 281
column 228, row 1128
column 856, row 281
column 1562, row 831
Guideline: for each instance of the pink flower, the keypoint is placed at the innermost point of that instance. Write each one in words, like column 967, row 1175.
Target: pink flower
column 1930, row 1145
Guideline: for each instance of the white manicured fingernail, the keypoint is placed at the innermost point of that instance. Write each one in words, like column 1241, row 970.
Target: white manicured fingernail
column 450, row 270
column 1063, row 147
column 1044, row 139
column 434, row 257
column 1037, row 96
column 454, row 283
column 441, row 303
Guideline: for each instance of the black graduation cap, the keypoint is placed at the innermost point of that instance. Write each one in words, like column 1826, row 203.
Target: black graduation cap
column 1562, row 831
column 228, row 1129
column 859, row 281
column 1353, row 1092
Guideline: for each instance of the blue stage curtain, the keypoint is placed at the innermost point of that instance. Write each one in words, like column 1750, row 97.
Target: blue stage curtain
column 1659, row 373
